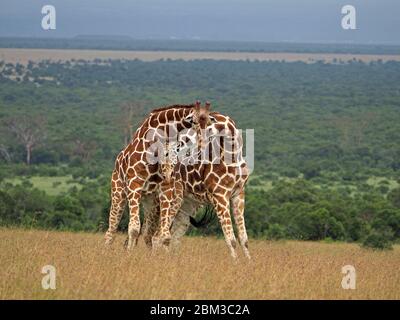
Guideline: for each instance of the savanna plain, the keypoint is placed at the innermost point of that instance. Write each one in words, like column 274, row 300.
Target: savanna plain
column 200, row 268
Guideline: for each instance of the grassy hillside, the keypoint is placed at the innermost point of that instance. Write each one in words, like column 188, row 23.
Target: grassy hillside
column 201, row 269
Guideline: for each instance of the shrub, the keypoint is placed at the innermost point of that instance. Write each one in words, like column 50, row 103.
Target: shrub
column 378, row 240
column 311, row 171
column 394, row 197
column 275, row 232
column 383, row 189
column 317, row 225
column 290, row 173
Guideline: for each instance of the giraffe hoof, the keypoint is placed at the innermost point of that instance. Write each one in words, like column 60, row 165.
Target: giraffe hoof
column 126, row 244
column 234, row 256
column 155, row 245
column 166, row 242
column 149, row 244
column 108, row 242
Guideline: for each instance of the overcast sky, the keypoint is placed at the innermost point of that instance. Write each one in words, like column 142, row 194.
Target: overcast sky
column 378, row 21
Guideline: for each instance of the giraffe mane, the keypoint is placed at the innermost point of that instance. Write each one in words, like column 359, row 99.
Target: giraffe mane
column 174, row 106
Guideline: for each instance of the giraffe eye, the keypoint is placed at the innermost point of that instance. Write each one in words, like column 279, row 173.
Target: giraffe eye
column 213, row 119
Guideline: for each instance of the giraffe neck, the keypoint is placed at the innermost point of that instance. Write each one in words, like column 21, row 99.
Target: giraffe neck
column 170, row 121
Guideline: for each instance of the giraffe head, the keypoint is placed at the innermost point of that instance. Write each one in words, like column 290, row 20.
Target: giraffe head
column 200, row 117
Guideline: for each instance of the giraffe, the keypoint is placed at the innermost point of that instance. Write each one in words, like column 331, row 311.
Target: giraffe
column 136, row 175
column 220, row 183
column 198, row 183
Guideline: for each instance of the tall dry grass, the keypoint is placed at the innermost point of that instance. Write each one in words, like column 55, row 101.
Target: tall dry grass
column 200, row 269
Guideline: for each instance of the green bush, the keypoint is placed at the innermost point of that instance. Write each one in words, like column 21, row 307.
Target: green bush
column 275, row 232
column 394, row 197
column 378, row 240
column 316, row 225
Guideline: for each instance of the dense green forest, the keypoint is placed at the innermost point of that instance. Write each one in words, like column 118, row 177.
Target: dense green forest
column 127, row 43
column 327, row 151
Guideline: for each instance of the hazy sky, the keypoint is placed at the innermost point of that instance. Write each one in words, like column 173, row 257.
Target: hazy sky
column 378, row 21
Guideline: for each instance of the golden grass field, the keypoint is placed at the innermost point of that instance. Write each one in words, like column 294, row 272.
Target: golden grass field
column 23, row 56
column 200, row 269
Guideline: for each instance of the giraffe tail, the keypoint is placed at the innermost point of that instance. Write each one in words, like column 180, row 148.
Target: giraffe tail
column 207, row 218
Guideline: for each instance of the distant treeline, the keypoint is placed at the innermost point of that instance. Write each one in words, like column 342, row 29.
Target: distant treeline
column 126, row 43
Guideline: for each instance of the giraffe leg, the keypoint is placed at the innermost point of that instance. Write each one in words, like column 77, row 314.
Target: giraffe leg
column 221, row 205
column 238, row 214
column 170, row 201
column 118, row 202
column 134, row 195
column 179, row 227
column 151, row 218
column 182, row 220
